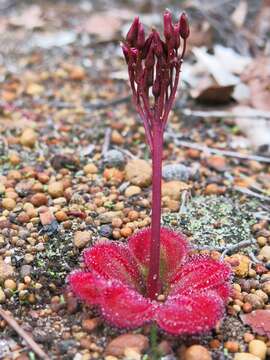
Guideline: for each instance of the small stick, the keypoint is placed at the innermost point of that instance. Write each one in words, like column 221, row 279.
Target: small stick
column 226, row 249
column 107, row 140
column 227, row 114
column 234, row 154
column 27, row 338
column 253, row 258
column 251, row 193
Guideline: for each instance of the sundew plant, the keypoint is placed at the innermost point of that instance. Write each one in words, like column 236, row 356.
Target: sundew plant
column 153, row 278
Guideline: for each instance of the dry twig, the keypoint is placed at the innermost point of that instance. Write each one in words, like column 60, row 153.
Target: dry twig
column 27, row 338
column 256, row 114
column 228, row 153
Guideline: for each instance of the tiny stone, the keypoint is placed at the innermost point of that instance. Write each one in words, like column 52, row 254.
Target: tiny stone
column 132, row 190
column 114, row 158
column 265, row 252
column 10, row 284
column 6, row 271
column 245, row 356
column 117, row 346
column 105, row 231
column 39, row 199
column 28, row 137
column 90, row 169
column 8, row 203
column 258, row 348
column 173, row 189
column 2, row 296
column 139, row 172
column 90, row 324
column 56, row 189
column 196, row 352
column 178, row 172
column 25, row 270
column 81, row 239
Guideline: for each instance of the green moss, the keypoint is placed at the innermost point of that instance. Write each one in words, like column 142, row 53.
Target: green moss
column 215, row 220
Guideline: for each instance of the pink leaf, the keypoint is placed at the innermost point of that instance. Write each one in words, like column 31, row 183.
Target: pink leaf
column 258, row 320
column 202, row 273
column 173, row 249
column 190, row 314
column 113, row 261
column 86, row 286
column 124, row 307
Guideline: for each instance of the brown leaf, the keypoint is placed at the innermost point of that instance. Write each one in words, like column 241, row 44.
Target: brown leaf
column 257, row 76
column 259, row 321
column 102, row 25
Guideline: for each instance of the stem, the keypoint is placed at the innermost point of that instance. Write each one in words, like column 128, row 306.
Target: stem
column 153, row 342
column 153, row 281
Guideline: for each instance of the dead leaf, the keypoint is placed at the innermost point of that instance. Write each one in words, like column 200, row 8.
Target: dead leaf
column 103, row 25
column 256, row 130
column 239, row 15
column 257, row 77
column 30, row 18
column 258, row 320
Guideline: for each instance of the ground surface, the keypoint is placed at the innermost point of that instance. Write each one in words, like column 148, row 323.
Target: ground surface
column 64, row 106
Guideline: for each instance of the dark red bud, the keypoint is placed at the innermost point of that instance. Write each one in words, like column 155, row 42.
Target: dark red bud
column 168, row 26
column 125, row 50
column 184, row 26
column 150, row 59
column 133, row 32
column 147, row 46
column 157, row 44
column 148, row 77
column 156, row 87
column 140, row 37
column 133, row 56
column 176, row 36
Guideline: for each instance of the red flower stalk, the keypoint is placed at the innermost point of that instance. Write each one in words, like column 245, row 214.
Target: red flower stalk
column 194, row 288
column 124, row 281
column 154, row 68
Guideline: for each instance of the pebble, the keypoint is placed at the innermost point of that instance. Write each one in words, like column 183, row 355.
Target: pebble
column 231, row 346
column 173, row 189
column 39, row 199
column 217, row 163
column 114, row 158
column 245, row 356
column 105, row 231
column 108, row 216
column 254, row 300
column 265, row 252
column 10, row 284
column 25, row 270
column 114, row 175
column 178, row 172
column 56, row 189
column 81, row 239
column 90, row 169
column 243, row 268
column 8, row 203
column 6, row 271
column 2, row 296
column 132, row 190
column 138, row 172
column 117, row 346
column 258, row 348
column 196, row 352
column 28, row 137
column 214, row 189
column 90, row 324
column 117, row 138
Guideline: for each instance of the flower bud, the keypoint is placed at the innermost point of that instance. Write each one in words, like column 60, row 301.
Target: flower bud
column 156, row 87
column 168, row 27
column 125, row 50
column 133, row 32
column 184, row 26
column 150, row 59
column 157, row 44
column 147, row 46
column 140, row 37
column 176, row 36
